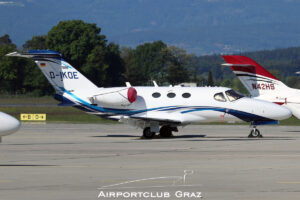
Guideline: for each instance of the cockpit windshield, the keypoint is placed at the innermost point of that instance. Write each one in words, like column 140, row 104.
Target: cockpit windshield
column 233, row 95
column 220, row 97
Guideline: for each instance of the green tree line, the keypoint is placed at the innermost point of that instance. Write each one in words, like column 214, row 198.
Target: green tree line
column 106, row 64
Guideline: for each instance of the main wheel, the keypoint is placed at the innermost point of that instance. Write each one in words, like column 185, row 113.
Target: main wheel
column 255, row 133
column 165, row 131
column 147, row 133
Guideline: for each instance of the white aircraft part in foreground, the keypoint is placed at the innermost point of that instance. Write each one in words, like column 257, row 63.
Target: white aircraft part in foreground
column 262, row 84
column 154, row 109
column 8, row 125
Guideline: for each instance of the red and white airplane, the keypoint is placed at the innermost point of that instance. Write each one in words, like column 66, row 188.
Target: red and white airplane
column 262, row 84
column 8, row 124
column 154, row 109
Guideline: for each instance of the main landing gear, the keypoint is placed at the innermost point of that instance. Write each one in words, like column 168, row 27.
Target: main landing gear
column 164, row 132
column 255, row 133
column 147, row 133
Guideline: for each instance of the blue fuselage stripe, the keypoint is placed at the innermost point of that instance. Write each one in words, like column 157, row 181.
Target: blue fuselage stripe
column 248, row 117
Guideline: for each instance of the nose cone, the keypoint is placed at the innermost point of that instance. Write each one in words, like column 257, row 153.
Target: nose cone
column 284, row 113
column 8, row 124
column 277, row 112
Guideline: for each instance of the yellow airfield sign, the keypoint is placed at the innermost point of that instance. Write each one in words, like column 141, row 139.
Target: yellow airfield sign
column 33, row 117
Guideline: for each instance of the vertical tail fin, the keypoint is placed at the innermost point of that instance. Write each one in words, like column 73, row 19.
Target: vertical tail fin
column 254, row 77
column 61, row 75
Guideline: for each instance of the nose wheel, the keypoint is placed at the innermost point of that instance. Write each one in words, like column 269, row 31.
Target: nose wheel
column 255, row 133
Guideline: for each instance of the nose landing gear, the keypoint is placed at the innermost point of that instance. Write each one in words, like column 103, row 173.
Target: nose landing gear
column 255, row 133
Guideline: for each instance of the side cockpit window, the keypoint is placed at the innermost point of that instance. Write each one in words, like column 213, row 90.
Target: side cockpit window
column 233, row 95
column 220, row 97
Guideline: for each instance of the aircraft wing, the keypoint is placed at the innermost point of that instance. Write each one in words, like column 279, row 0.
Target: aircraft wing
column 160, row 120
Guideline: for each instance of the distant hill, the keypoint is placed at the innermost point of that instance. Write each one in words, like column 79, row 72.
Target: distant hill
column 199, row 26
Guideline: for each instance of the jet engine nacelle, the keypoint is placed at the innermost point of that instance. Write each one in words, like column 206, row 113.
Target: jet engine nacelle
column 9, row 124
column 115, row 97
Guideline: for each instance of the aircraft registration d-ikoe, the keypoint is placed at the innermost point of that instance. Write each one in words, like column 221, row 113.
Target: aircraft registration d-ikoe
column 154, row 109
column 261, row 84
column 8, row 125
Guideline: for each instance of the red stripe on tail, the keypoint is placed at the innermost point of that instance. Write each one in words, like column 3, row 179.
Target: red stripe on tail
column 243, row 60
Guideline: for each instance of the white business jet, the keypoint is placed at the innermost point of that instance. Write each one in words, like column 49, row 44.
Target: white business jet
column 261, row 84
column 8, row 125
column 154, row 109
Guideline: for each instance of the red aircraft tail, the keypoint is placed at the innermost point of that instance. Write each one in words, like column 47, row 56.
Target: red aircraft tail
column 255, row 78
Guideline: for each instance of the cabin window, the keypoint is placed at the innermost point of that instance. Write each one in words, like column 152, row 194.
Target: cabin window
column 171, row 95
column 220, row 97
column 156, row 95
column 186, row 95
column 233, row 95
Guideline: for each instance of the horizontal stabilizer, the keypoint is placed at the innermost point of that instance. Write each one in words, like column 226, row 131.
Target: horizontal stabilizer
column 36, row 53
column 240, row 65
